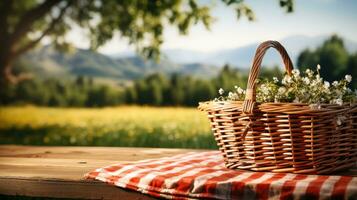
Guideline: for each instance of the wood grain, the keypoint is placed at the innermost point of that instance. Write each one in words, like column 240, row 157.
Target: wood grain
column 65, row 189
column 57, row 172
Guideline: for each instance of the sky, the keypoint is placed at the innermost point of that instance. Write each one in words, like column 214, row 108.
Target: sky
column 310, row 18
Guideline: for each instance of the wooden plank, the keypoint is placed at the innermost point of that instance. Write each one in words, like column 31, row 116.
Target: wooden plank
column 57, row 172
column 103, row 153
column 65, row 189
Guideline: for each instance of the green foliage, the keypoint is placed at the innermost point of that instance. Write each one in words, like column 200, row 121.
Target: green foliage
column 228, row 78
column 140, row 21
column 269, row 73
column 177, row 93
column 51, row 92
column 287, row 4
column 332, row 56
column 182, row 90
column 203, row 91
column 101, row 96
column 352, row 68
column 24, row 23
column 131, row 96
column 155, row 89
column 175, row 90
column 307, row 58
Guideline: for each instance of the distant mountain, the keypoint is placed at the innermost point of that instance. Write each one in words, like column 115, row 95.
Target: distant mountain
column 166, row 66
column 48, row 62
column 45, row 61
column 242, row 56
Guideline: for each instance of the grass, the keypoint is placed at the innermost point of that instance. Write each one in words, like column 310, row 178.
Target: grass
column 117, row 126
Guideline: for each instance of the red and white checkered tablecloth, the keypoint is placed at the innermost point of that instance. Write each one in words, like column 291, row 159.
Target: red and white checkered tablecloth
column 203, row 175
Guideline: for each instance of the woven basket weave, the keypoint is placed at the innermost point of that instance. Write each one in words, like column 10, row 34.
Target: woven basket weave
column 283, row 137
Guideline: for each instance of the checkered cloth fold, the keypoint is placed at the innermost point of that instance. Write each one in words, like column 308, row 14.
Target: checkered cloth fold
column 203, row 175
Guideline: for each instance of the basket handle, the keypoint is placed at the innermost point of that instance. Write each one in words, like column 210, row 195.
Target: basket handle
column 250, row 96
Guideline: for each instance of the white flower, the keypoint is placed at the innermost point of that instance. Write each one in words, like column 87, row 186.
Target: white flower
column 306, row 80
column 308, row 72
column 326, row 84
column 264, row 89
column 318, row 67
column 286, row 79
column 339, row 101
column 231, row 95
column 275, row 79
column 296, row 72
column 315, row 106
column 348, row 78
column 318, row 78
column 240, row 90
column 281, row 90
column 308, row 87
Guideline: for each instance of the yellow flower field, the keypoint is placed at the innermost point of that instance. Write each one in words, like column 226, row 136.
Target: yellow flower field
column 115, row 126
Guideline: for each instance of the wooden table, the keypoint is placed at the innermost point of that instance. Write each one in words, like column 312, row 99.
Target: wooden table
column 57, row 172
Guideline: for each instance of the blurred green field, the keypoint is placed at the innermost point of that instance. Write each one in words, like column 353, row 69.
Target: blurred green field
column 126, row 126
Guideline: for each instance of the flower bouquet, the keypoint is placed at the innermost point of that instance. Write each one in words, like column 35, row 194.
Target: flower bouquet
column 300, row 124
column 309, row 88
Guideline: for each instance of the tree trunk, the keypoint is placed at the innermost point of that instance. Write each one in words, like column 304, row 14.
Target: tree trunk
column 5, row 66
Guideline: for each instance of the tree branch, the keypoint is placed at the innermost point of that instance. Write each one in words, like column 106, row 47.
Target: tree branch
column 14, row 79
column 25, row 23
column 49, row 29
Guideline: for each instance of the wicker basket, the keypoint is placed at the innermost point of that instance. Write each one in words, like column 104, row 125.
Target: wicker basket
column 283, row 137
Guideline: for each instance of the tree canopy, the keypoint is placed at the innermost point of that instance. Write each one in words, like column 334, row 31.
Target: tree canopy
column 333, row 57
column 24, row 23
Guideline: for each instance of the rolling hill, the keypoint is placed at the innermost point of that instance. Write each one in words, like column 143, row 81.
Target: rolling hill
column 47, row 62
